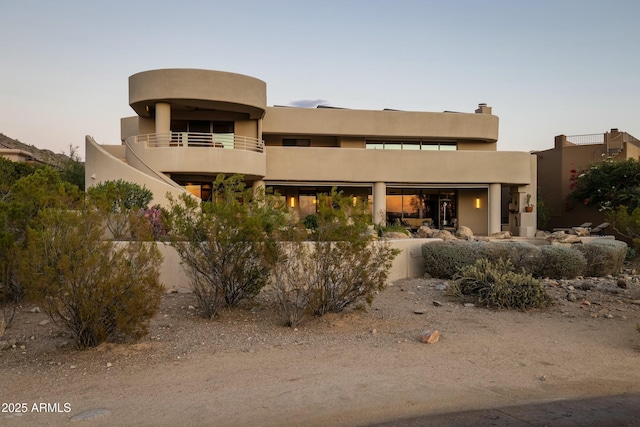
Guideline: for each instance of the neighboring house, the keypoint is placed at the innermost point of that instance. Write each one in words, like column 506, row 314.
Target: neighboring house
column 415, row 167
column 16, row 151
column 575, row 153
column 17, row 155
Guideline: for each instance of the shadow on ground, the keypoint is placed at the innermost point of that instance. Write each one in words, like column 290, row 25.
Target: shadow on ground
column 607, row 411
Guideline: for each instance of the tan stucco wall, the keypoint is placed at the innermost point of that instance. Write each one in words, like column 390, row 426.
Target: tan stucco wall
column 409, row 263
column 359, row 165
column 101, row 166
column 195, row 160
column 206, row 89
column 320, row 121
column 477, row 146
column 248, row 128
column 475, row 218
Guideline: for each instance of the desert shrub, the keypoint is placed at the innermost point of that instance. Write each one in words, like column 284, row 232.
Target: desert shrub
column 227, row 245
column 631, row 254
column 497, row 285
column 521, row 255
column 559, row 262
column 120, row 203
column 310, row 222
column 341, row 266
column 443, row 259
column 289, row 282
column 603, row 257
column 24, row 192
column 98, row 290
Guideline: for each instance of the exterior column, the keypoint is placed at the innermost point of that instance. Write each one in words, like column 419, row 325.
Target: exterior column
column 163, row 123
column 258, row 190
column 380, row 203
column 494, row 208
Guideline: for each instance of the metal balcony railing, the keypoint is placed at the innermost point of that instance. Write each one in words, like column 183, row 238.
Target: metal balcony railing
column 586, row 139
column 195, row 139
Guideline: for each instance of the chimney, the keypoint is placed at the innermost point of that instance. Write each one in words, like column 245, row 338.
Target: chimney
column 483, row 109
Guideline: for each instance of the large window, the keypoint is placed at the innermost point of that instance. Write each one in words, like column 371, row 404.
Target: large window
column 412, row 145
column 414, row 207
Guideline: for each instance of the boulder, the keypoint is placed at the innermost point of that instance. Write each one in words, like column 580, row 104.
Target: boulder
column 395, row 235
column 580, row 231
column 542, row 234
column 562, row 237
column 444, row 235
column 502, row 235
column 425, row 232
column 464, row 232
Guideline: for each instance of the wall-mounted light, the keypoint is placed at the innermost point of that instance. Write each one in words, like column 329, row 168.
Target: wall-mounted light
column 292, row 202
column 478, row 203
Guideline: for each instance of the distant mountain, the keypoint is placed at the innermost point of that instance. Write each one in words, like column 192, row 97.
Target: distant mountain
column 45, row 156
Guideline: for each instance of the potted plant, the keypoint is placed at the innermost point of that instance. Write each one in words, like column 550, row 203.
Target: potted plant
column 529, row 206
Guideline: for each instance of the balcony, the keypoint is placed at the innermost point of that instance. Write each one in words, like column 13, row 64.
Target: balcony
column 194, row 139
column 197, row 153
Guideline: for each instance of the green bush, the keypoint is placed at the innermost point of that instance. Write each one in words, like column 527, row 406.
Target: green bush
column 497, row 285
column 226, row 245
column 343, row 265
column 559, row 262
column 603, row 257
column 443, row 259
column 521, row 255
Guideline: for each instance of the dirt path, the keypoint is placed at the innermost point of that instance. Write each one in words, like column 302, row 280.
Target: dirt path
column 357, row 368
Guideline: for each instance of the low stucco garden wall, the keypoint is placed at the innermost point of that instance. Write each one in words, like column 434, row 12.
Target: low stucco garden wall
column 408, row 263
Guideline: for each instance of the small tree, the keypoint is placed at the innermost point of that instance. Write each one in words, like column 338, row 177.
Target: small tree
column 99, row 290
column 607, row 184
column 226, row 245
column 72, row 169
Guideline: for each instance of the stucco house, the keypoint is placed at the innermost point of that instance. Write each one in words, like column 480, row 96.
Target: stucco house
column 576, row 153
column 417, row 167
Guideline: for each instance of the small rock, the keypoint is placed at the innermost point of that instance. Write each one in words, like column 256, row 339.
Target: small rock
column 374, row 331
column 420, row 311
column 4, row 345
column 441, row 286
column 571, row 288
column 191, row 307
column 585, row 302
column 469, row 304
column 430, row 337
column 586, row 286
column 35, row 310
column 437, row 304
column 109, row 364
column 622, row 284
column 571, row 297
column 635, row 301
column 72, row 367
column 543, row 378
column 608, row 316
column 44, row 322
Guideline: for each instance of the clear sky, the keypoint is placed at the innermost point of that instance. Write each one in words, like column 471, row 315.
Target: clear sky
column 547, row 67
